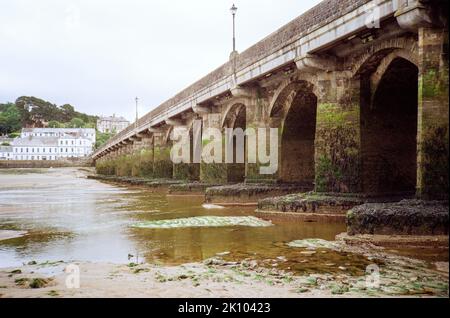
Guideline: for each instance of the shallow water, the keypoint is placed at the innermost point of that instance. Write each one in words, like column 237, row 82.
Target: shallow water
column 69, row 217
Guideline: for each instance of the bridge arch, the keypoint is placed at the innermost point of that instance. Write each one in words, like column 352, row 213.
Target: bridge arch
column 370, row 60
column 293, row 110
column 233, row 112
column 235, row 117
column 388, row 117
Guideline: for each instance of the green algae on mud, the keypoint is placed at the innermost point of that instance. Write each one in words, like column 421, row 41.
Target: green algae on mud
column 312, row 244
column 204, row 221
column 397, row 275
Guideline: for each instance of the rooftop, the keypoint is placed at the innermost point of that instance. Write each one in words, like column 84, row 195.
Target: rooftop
column 36, row 141
column 64, row 130
column 113, row 118
column 5, row 149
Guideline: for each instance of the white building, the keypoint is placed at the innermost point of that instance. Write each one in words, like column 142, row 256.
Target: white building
column 88, row 133
column 6, row 153
column 112, row 124
column 53, row 143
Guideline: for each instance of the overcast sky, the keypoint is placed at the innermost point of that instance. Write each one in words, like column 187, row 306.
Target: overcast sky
column 99, row 54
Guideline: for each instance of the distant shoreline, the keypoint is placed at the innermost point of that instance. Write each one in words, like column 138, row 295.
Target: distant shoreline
column 13, row 164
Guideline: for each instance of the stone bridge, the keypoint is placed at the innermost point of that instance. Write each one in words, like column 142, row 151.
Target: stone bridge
column 361, row 103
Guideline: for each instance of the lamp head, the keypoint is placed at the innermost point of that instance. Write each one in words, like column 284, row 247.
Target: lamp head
column 233, row 9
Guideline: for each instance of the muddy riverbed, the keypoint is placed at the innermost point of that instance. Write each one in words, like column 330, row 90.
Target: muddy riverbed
column 131, row 241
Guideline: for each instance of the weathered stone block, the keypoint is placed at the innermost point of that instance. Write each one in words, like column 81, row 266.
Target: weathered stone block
column 213, row 172
column 310, row 203
column 407, row 217
column 337, row 148
column 243, row 193
column 162, row 164
column 186, row 171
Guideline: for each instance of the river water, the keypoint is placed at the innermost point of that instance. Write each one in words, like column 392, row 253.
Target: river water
column 69, row 217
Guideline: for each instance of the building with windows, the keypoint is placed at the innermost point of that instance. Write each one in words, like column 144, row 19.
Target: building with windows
column 88, row 133
column 111, row 124
column 52, row 144
column 6, row 153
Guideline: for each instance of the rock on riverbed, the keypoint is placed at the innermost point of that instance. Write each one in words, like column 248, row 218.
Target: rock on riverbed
column 407, row 217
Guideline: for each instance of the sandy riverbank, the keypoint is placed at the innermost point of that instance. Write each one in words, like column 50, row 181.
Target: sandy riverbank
column 217, row 277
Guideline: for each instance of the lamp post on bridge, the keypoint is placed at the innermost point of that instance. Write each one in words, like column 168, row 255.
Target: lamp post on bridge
column 233, row 10
column 136, row 99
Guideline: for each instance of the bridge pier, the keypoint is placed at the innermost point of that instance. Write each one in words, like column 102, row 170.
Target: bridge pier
column 146, row 156
column 213, row 173
column 162, row 164
column 124, row 164
column 255, row 101
column 337, row 137
column 433, row 130
column 189, row 170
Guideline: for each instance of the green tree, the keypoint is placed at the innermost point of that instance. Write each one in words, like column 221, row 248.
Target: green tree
column 14, row 135
column 89, row 125
column 76, row 123
column 54, row 124
column 10, row 119
column 35, row 112
column 67, row 112
column 102, row 138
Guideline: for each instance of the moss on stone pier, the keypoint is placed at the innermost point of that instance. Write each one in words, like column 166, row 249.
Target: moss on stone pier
column 249, row 192
column 213, row 173
column 311, row 202
column 407, row 217
column 337, row 153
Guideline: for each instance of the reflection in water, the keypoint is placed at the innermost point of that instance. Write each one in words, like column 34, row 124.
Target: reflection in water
column 70, row 217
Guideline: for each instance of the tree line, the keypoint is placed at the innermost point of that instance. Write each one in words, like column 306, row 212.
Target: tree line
column 34, row 112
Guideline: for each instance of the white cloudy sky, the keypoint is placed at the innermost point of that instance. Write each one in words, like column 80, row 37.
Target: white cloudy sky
column 99, row 54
